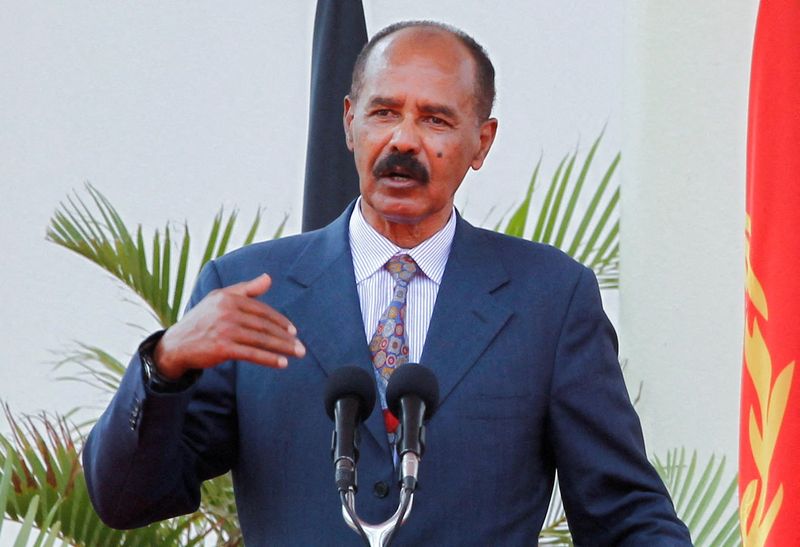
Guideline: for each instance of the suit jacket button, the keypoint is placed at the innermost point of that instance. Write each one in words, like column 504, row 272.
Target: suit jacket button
column 381, row 489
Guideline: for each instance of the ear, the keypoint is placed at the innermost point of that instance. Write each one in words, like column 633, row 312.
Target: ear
column 347, row 119
column 488, row 130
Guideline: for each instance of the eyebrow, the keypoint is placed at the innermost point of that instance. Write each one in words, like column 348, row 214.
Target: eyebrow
column 384, row 101
column 439, row 109
column 425, row 108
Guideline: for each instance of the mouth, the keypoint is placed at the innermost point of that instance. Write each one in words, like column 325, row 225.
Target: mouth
column 397, row 175
column 398, row 179
column 401, row 170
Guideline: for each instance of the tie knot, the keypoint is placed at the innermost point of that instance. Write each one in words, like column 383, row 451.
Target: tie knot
column 402, row 268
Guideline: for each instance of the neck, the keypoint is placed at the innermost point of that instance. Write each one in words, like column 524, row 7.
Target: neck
column 406, row 235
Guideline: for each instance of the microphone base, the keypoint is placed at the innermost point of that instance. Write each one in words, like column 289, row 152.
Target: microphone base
column 377, row 535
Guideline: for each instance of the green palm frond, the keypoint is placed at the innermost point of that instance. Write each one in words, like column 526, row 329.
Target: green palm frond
column 711, row 515
column 590, row 234
column 219, row 509
column 97, row 232
column 555, row 530
column 159, row 276
column 43, row 488
column 95, row 366
column 46, row 535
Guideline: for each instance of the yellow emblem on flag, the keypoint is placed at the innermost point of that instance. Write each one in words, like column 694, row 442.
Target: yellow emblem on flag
column 771, row 399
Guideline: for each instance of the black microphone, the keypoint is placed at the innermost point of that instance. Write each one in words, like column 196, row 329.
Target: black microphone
column 412, row 395
column 349, row 398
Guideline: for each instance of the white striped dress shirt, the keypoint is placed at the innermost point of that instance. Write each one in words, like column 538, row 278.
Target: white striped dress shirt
column 374, row 283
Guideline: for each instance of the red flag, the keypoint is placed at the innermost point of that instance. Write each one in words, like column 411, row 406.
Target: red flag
column 769, row 448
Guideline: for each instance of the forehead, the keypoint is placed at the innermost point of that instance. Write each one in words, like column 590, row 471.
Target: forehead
column 420, row 57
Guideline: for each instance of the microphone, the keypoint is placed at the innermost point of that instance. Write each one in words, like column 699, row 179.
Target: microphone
column 349, row 398
column 412, row 395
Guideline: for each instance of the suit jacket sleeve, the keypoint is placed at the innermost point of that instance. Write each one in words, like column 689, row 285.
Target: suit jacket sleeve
column 148, row 454
column 611, row 493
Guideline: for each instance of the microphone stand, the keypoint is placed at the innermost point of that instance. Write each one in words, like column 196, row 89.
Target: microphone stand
column 380, row 535
column 416, row 395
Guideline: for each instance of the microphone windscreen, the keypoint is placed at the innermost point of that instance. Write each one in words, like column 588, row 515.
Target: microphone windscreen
column 350, row 381
column 412, row 379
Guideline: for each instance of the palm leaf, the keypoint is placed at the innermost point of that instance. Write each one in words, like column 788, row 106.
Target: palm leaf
column 96, row 231
column 555, row 530
column 219, row 509
column 575, row 194
column 100, row 234
column 44, row 537
column 589, row 234
column 555, row 206
column 211, row 242
column 711, row 515
column 180, row 279
column 44, row 489
column 538, row 233
column 516, row 225
column 96, row 368
column 573, row 202
column 279, row 230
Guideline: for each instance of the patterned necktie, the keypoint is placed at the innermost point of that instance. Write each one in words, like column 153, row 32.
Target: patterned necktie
column 389, row 346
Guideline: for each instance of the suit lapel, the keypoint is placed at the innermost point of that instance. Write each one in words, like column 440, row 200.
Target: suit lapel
column 327, row 313
column 466, row 317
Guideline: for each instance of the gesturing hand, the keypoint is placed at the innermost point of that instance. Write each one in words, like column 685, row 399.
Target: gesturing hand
column 229, row 323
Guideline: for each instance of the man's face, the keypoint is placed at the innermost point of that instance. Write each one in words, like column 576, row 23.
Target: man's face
column 414, row 131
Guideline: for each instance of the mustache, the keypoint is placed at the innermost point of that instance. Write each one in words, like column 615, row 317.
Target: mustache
column 404, row 164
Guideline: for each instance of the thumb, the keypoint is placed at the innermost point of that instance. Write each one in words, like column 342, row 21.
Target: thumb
column 255, row 287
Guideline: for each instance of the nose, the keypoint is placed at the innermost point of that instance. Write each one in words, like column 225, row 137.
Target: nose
column 405, row 138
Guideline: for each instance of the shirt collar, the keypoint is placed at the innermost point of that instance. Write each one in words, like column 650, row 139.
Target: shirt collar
column 371, row 250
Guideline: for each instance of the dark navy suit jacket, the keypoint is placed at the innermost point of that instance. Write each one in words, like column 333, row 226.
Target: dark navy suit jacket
column 530, row 383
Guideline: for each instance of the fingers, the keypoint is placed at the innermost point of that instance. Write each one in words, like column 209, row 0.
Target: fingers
column 264, row 329
column 252, row 288
column 257, row 332
column 250, row 306
column 259, row 356
column 265, row 326
column 266, row 349
column 231, row 323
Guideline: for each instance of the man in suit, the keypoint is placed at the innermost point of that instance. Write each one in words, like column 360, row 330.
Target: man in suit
column 514, row 331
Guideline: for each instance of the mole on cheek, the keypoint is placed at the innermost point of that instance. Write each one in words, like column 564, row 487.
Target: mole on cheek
column 438, row 154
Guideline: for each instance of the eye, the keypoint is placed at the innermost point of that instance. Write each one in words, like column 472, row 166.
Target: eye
column 382, row 113
column 435, row 120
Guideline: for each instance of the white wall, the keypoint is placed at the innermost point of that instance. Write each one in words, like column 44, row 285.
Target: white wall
column 681, row 303
column 172, row 109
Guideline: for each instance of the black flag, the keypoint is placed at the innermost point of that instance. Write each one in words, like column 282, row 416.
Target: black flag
column 331, row 179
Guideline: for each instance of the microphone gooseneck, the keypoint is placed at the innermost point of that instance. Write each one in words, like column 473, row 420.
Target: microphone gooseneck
column 412, row 395
column 349, row 399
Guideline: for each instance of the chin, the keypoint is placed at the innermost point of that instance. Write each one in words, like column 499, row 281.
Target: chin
column 401, row 218
column 399, row 209
column 400, row 213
